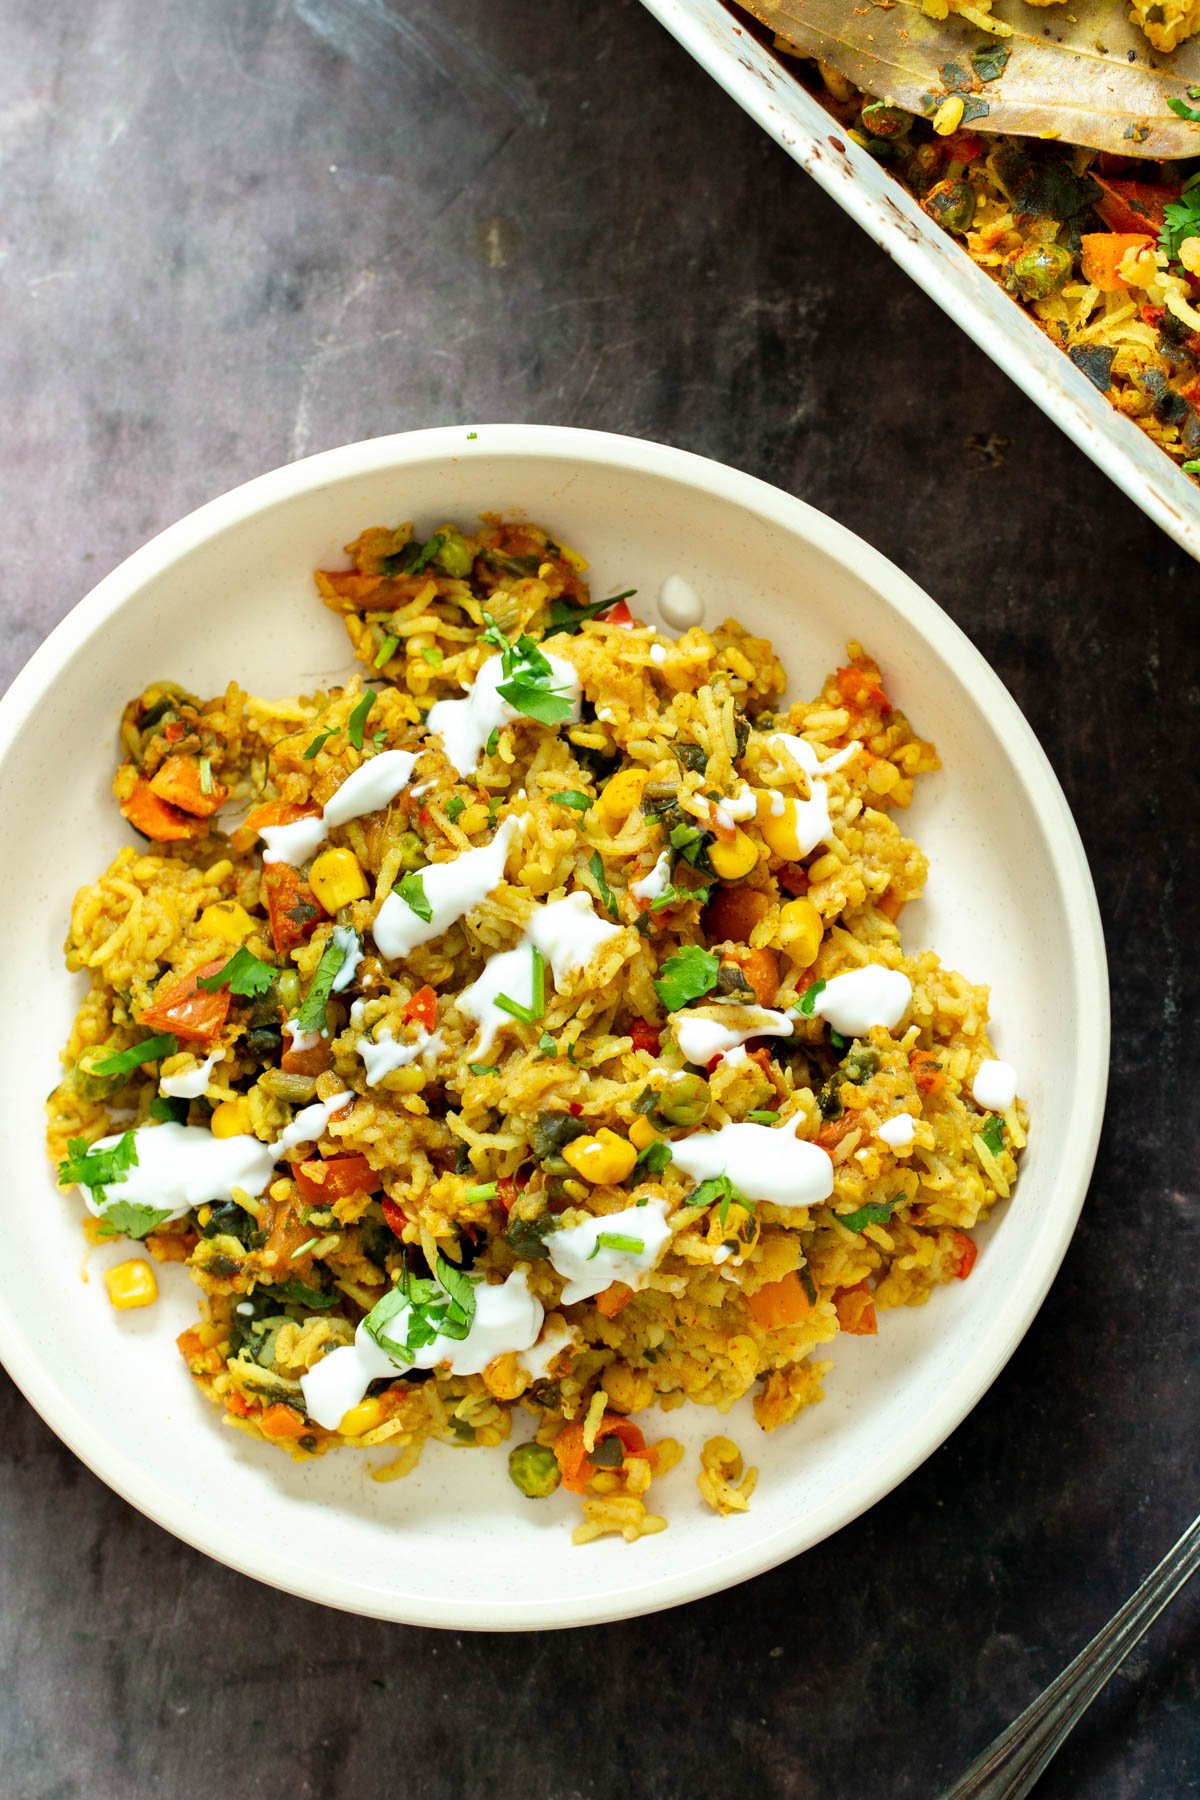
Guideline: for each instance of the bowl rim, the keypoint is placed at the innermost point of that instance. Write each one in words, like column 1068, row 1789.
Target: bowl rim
column 206, row 1532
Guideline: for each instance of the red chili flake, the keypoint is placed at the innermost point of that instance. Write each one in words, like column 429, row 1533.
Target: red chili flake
column 575, row 1108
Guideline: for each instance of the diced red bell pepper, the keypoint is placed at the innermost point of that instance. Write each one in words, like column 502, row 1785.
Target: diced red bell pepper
column 423, row 1008
column 966, row 1254
column 187, row 1010
column 321, row 1182
column 618, row 615
column 292, row 907
column 394, row 1217
column 645, row 1036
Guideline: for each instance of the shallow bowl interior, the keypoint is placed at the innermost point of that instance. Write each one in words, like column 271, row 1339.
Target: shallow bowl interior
column 228, row 593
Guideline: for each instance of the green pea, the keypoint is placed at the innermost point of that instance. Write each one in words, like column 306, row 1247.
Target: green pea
column 1038, row 271
column 455, row 557
column 683, row 1099
column 87, row 1083
column 534, row 1469
column 883, row 121
column 952, row 204
column 412, row 852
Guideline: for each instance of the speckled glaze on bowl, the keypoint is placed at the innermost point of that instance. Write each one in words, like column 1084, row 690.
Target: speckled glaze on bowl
column 227, row 592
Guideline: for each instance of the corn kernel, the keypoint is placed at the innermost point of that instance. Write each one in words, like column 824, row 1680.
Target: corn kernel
column 800, row 932
column 642, row 1133
column 779, row 828
column 230, row 1119
column 336, row 878
column 620, row 796
column 131, row 1284
column 406, row 1081
column 733, row 860
column 474, row 819
column 948, row 117
column 361, row 1418
column 605, row 1158
column 225, row 920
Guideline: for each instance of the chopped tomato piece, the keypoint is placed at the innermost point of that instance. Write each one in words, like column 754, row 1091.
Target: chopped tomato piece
column 856, row 1310
column 321, row 1182
column 966, row 1254
column 779, row 1303
column 860, row 689
column 573, row 1459
column 187, row 1010
column 618, row 615
column 423, row 1008
column 394, row 1217
column 156, row 819
column 613, row 1299
column 645, row 1036
column 292, row 907
column 575, row 1108
column 180, row 782
column 239, row 1406
column 927, row 1072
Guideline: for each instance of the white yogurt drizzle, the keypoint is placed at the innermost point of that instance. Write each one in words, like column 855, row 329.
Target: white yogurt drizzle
column 466, row 725
column 679, row 603
column 383, row 1053
column 738, row 806
column 810, row 817
column 451, row 889
column 568, row 934
column 189, row 1084
column 995, row 1086
column 369, row 789
column 507, row 1318
column 307, row 1126
column 656, row 883
column 556, row 1337
column 701, row 1037
column 764, row 1162
column 861, row 998
column 589, row 1267
column 898, row 1131
column 658, row 655
column 182, row 1166
column 301, row 1040
column 350, row 946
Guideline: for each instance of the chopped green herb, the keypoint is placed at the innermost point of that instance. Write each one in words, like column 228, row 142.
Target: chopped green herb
column 616, row 1240
column 456, row 806
column 493, row 806
column 596, row 865
column 379, row 738
column 837, row 1040
column 244, row 974
column 674, row 896
column 95, row 1168
column 303, row 1250
column 573, row 798
column 547, row 1045
column 719, row 1187
column 151, row 1049
column 425, row 1309
column 482, row 1193
column 990, row 61
column 1191, row 468
column 1182, row 110
column 685, row 976
column 1181, row 219
column 432, row 655
column 298, row 1293
column 655, row 1157
column 206, row 776
column 319, row 742
column 493, row 740
column 426, row 553
column 875, row 1212
column 528, row 678
column 358, row 718
column 993, row 1133
column 526, row 1238
column 124, row 1218
column 484, row 1068
column 411, row 889
column 763, row 1115
column 385, row 652
column 311, row 1016
column 168, row 1112
column 567, row 618
column 534, row 1011
column 810, row 997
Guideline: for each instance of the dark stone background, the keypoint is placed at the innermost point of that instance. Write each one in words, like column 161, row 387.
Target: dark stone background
column 241, row 230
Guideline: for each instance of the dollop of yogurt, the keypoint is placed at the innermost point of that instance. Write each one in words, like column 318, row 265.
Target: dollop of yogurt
column 702, row 1036
column 465, row 726
column 369, row 789
column 451, row 889
column 189, row 1084
column 382, row 1053
column 809, row 818
column 680, row 604
column 654, row 885
column 764, row 1162
column 621, row 1246
column 566, row 932
column 898, row 1131
column 995, row 1086
column 182, row 1166
column 873, row 995
column 307, row 1126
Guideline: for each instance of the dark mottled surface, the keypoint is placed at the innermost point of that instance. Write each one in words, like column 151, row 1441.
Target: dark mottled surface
column 239, row 231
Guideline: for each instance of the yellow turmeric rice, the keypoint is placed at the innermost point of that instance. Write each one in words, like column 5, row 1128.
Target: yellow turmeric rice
column 519, row 1037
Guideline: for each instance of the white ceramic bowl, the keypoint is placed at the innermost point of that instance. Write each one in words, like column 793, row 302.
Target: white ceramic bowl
column 228, row 592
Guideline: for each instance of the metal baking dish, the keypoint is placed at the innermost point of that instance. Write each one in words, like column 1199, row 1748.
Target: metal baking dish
column 782, row 106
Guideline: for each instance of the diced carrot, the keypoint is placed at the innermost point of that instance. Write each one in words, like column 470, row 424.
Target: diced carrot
column 1153, row 315
column 779, row 1303
column 966, row 1253
column 645, row 1036
column 573, row 1459
column 274, row 812
column 306, row 1062
column 394, row 1217
column 189, row 1345
column 423, row 1008
column 150, row 814
column 890, row 905
column 239, row 1406
column 1102, row 254
column 292, row 907
column 761, row 969
column 179, row 781
column 733, row 912
column 187, row 1010
column 321, row 1182
column 1134, row 206
column 282, row 1421
column 613, row 1299
column 349, row 585
column 860, row 689
column 856, row 1310
column 927, row 1072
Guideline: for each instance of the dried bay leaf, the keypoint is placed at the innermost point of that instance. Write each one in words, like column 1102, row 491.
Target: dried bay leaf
column 1082, row 73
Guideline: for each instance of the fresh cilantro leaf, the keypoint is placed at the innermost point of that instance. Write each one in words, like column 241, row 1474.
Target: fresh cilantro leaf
column 674, row 896
column 456, row 806
column 528, row 678
column 385, row 652
column 411, row 890
column 483, row 1068
column 122, row 1218
column 993, row 1133
column 655, row 1157
column 685, row 976
column 95, row 1168
column 319, row 742
column 244, row 974
column 151, row 1049
column 875, row 1212
column 379, row 739
column 311, row 1016
column 573, row 798
column 810, row 996
column 763, row 1115
column 492, row 634
column 547, row 1045
column 461, row 1289
column 358, row 719
column 567, row 618
column 537, row 701
column 526, row 1238
column 692, row 844
column 718, row 1188
column 493, row 740
column 168, row 1111
column 596, row 865
column 1181, row 219
column 616, row 1240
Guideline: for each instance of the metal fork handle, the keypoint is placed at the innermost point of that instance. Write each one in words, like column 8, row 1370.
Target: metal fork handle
column 1011, row 1764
